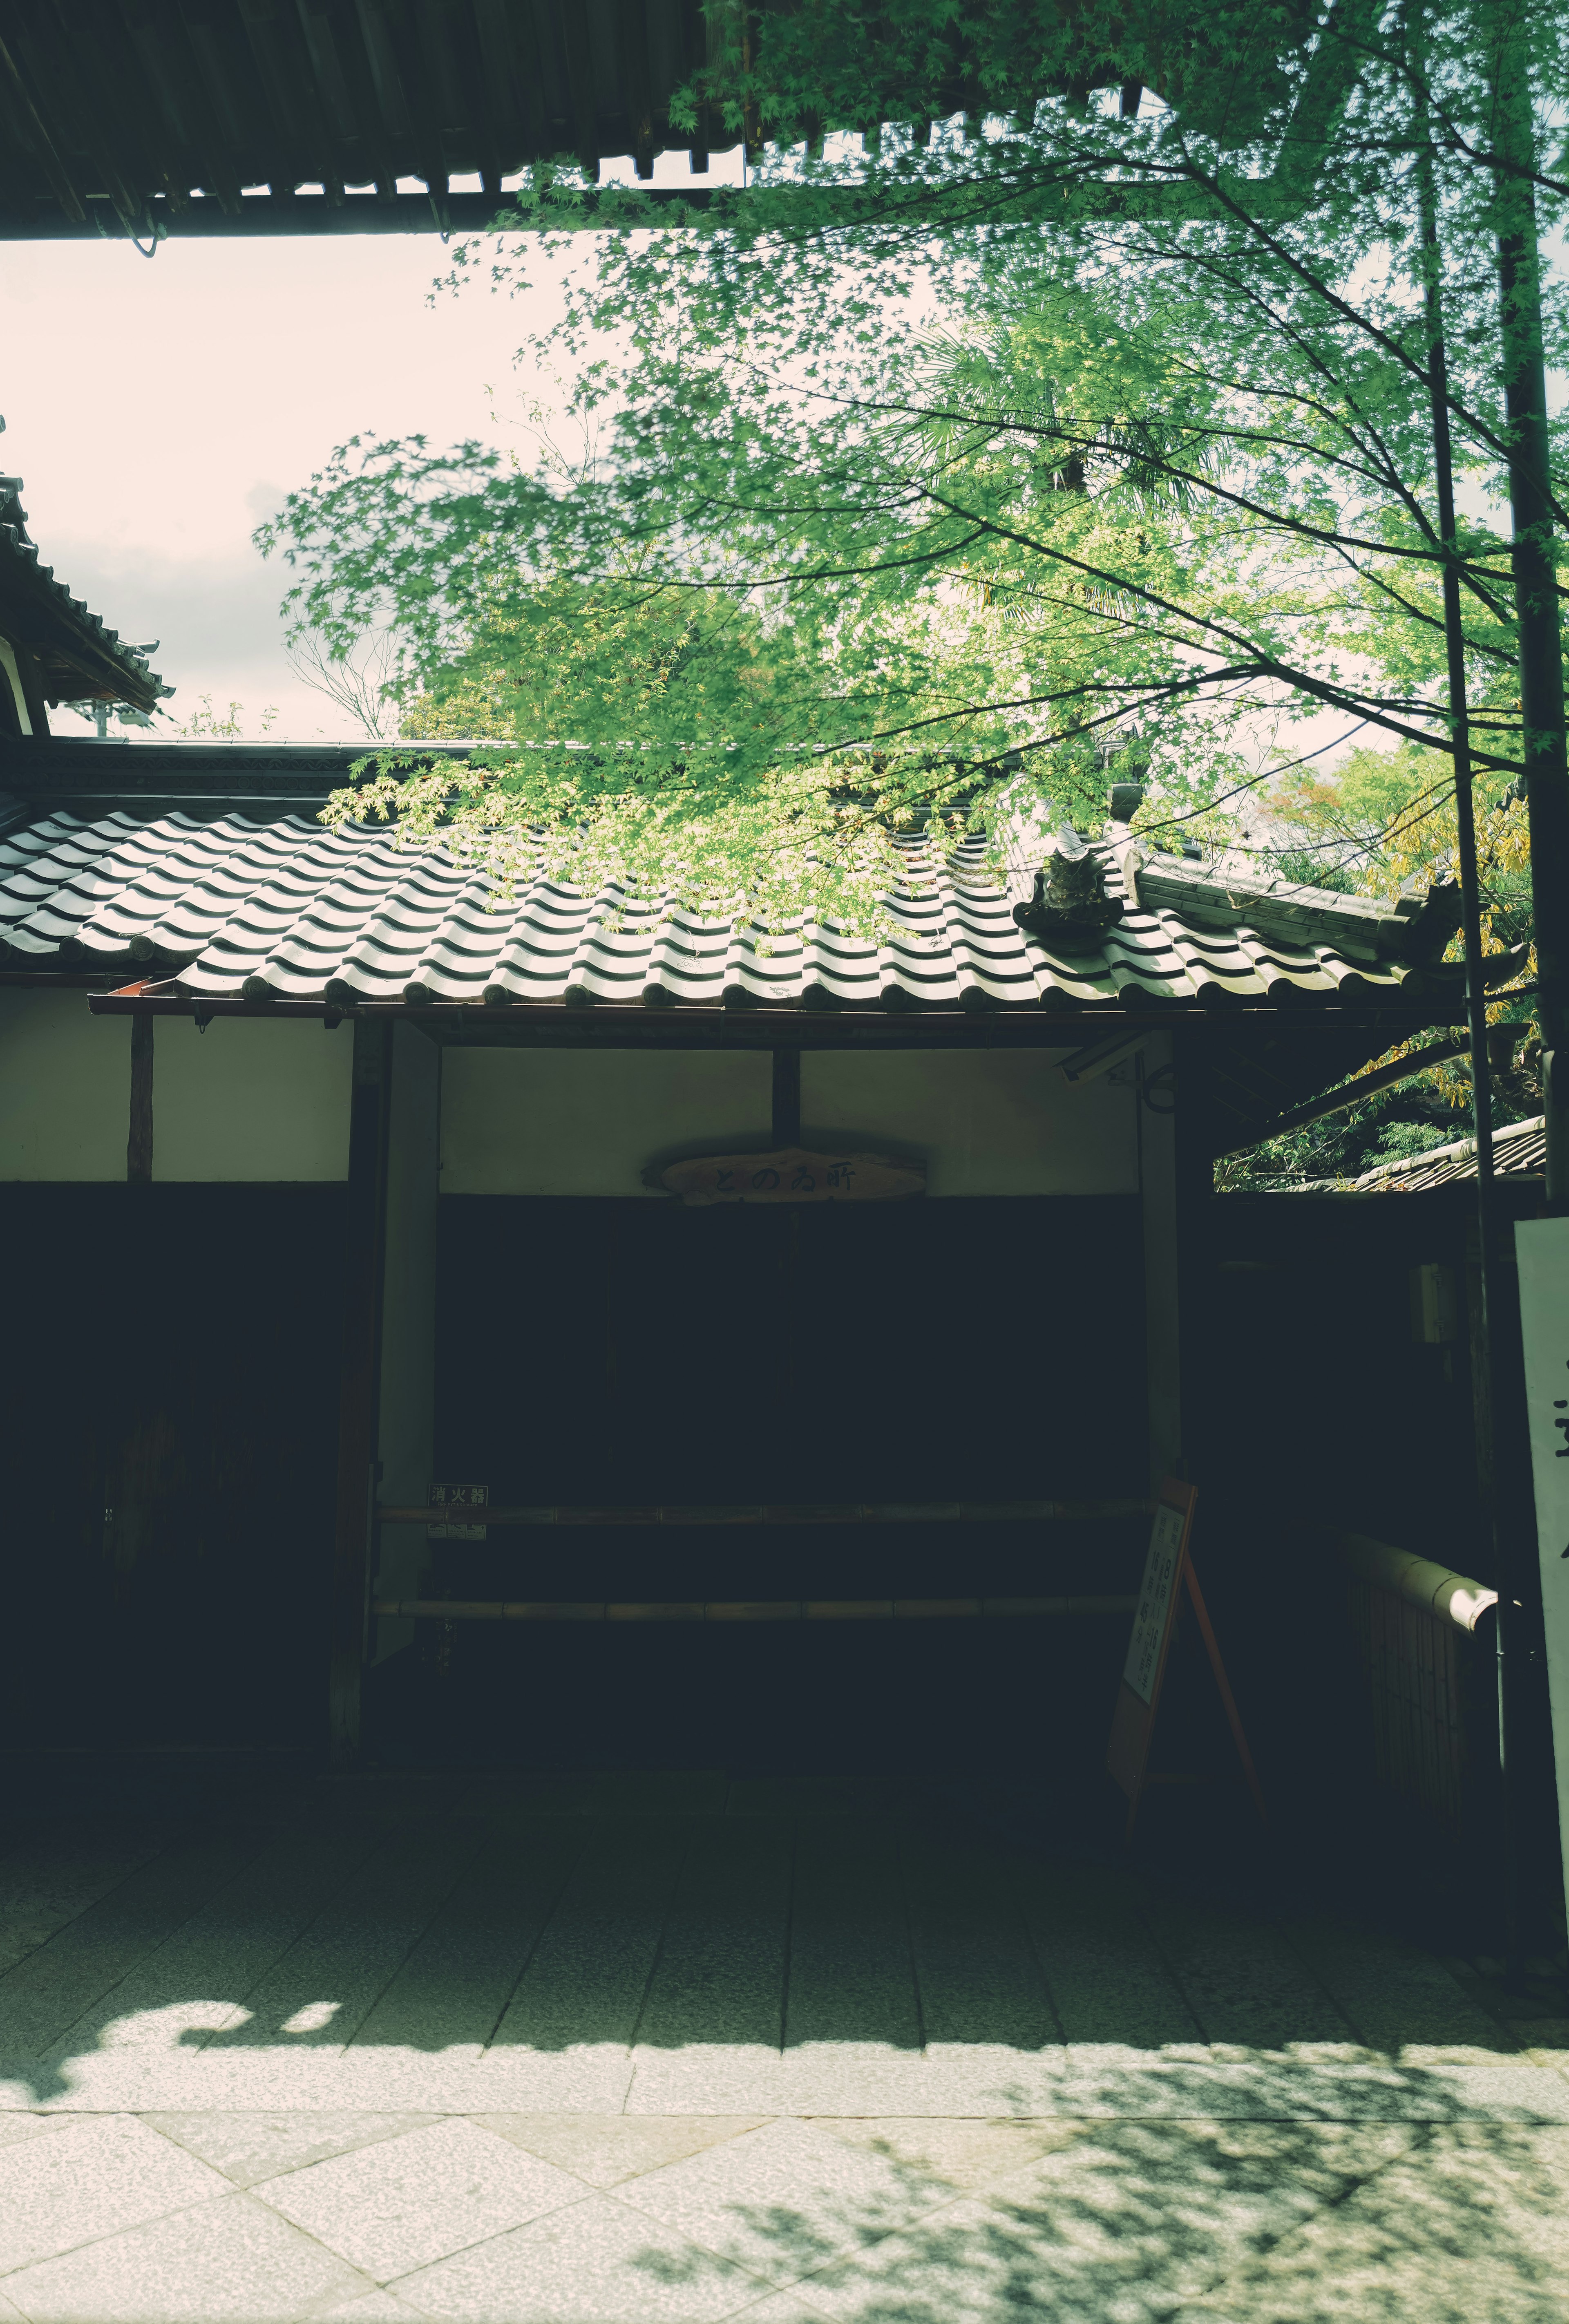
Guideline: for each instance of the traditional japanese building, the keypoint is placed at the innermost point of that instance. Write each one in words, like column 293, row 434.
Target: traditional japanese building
column 52, row 649
column 335, row 1178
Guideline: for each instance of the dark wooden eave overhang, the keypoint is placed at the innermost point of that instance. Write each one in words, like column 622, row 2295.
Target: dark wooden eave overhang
column 287, row 116
column 75, row 656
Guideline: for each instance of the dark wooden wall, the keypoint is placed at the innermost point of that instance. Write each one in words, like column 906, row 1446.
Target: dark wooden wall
column 169, row 1394
column 604, row 1351
column 632, row 1351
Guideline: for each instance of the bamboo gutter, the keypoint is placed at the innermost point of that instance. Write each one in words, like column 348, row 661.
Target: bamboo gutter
column 758, row 1513
column 754, row 1610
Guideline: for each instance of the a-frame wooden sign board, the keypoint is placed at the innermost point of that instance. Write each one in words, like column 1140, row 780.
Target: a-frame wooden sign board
column 1168, row 1568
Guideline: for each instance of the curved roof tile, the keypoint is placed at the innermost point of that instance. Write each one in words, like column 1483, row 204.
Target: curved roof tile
column 236, row 909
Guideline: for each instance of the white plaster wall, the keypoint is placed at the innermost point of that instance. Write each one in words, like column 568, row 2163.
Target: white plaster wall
column 580, row 1121
column 249, row 1100
column 585, row 1122
column 988, row 1122
column 65, row 1088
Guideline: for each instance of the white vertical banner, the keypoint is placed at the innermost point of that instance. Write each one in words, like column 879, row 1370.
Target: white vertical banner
column 1542, row 1248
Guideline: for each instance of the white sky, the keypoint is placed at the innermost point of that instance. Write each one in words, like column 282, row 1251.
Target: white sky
column 158, row 408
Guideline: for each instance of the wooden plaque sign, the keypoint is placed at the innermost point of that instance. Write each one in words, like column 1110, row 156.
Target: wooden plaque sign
column 1167, row 1569
column 793, row 1174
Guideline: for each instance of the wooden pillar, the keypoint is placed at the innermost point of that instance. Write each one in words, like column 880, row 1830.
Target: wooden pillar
column 139, row 1137
column 406, row 1422
column 1176, row 1174
column 1157, row 1196
column 365, row 1237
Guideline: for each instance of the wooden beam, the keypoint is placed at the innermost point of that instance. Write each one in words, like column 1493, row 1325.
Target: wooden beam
column 783, row 1512
column 338, row 23
column 787, row 1097
column 50, row 161
column 30, row 680
column 632, row 41
column 1341, row 1100
column 757, row 1610
column 1360, row 926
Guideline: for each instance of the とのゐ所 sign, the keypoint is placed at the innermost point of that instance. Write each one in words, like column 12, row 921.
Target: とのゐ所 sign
column 793, row 1174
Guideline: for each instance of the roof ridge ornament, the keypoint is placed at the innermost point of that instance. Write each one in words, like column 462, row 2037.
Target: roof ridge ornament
column 1070, row 910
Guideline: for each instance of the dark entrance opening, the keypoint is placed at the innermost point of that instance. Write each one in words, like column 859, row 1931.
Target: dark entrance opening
column 607, row 1354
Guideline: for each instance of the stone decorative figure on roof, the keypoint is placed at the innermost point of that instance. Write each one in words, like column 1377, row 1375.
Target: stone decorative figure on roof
column 1070, row 910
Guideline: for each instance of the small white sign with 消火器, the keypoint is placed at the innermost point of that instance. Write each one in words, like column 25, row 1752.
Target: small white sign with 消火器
column 1154, row 1608
column 462, row 1501
column 1541, row 1250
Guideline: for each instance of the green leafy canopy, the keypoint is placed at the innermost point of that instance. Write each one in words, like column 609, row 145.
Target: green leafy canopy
column 919, row 482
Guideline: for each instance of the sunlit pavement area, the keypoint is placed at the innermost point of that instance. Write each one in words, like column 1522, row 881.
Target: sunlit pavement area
column 685, row 2047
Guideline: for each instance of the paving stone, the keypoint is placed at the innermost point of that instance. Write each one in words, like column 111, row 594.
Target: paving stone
column 720, row 1975
column 851, row 1979
column 453, row 1990
column 965, row 2153
column 662, row 1791
column 92, row 2178
column 1470, row 2227
column 586, row 1980
column 781, row 2308
column 83, row 1962
column 1248, row 1987
column 269, row 2078
column 406, row 2201
column 598, row 2262
column 1397, row 1999
column 976, row 1966
column 193, row 1983
column 227, row 2261
column 1544, row 2040
column 51, row 1877
column 15, row 2127
column 807, row 1795
column 1121, row 2224
column 783, row 2200
column 345, row 1959
column 605, row 2150
column 377, row 2307
column 248, row 2147
column 1112, row 1993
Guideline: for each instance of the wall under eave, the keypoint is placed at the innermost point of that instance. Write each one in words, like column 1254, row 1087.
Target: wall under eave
column 65, row 1089
column 250, row 1101
column 245, row 1103
column 986, row 1123
column 581, row 1121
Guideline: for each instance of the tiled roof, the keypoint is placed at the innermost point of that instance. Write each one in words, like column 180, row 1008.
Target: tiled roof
column 287, row 910
column 71, row 643
column 1518, row 1149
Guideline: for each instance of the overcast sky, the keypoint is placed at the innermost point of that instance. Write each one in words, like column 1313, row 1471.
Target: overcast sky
column 158, row 408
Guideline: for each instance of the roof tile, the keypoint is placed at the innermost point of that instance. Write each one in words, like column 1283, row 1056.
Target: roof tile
column 285, row 910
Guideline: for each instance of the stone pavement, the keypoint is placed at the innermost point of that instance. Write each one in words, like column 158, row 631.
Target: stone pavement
column 594, row 2049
